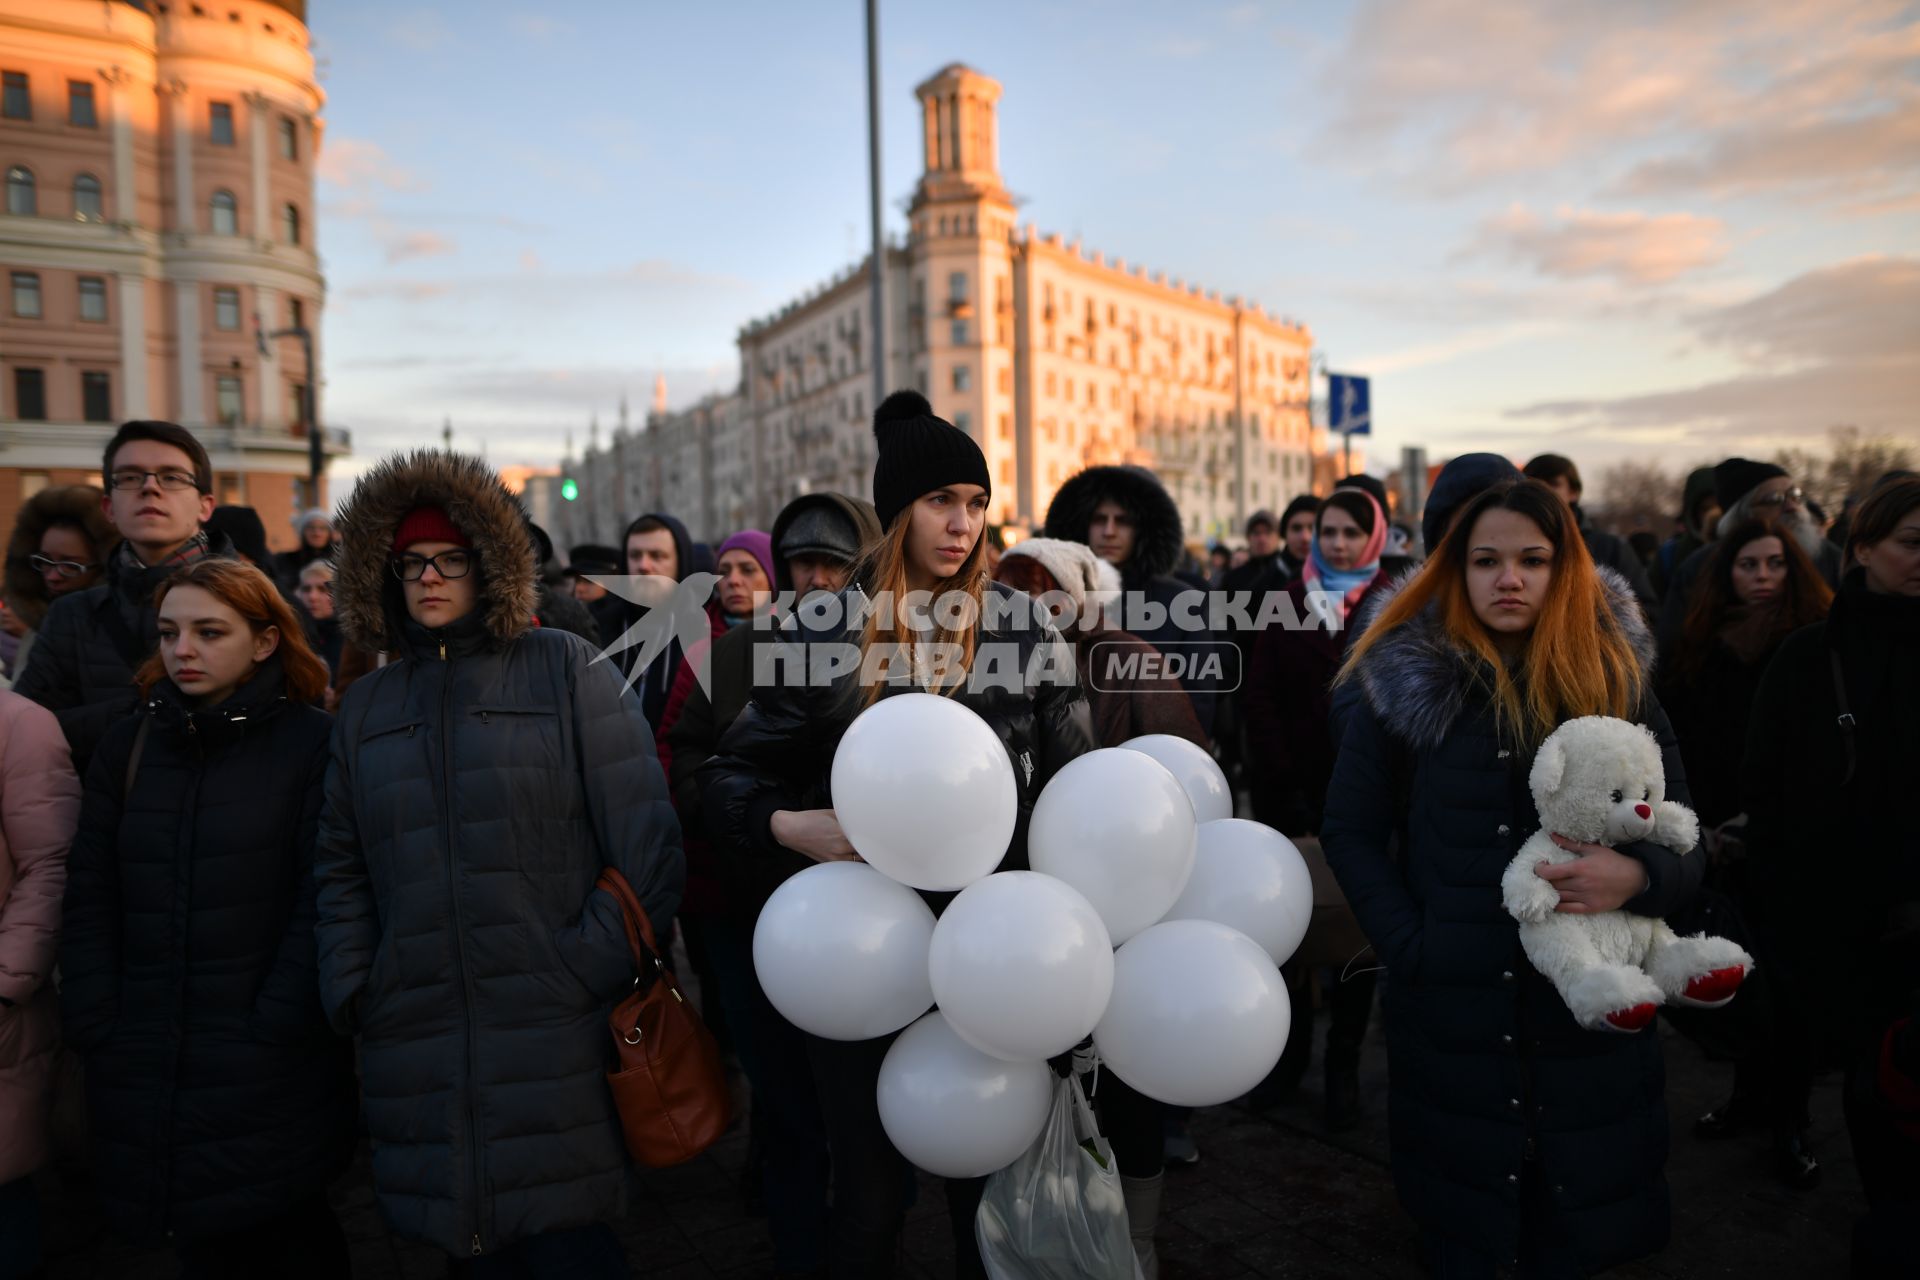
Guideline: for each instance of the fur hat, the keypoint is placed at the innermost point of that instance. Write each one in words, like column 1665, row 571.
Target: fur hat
column 1735, row 478
column 1157, row 540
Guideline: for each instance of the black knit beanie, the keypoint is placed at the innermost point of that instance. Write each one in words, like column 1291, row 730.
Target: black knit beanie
column 1735, row 478
column 918, row 454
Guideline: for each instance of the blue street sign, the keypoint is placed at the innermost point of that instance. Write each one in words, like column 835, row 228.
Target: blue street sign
column 1349, row 407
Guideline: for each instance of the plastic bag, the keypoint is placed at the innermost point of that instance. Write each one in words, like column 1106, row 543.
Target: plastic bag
column 1057, row 1212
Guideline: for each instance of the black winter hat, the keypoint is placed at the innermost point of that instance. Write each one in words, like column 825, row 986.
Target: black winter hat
column 243, row 528
column 1735, row 478
column 918, row 454
column 1458, row 483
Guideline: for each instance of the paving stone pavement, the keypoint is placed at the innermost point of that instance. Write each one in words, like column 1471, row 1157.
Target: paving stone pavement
column 1272, row 1196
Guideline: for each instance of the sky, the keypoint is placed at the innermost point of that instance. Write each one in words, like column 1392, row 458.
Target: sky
column 1622, row 231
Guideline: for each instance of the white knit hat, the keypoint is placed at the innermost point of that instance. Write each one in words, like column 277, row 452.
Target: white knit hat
column 1080, row 573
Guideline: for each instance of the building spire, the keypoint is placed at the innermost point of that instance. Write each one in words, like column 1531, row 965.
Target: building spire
column 659, row 393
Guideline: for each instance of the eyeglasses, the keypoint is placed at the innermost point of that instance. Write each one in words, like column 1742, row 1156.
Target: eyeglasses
column 1796, row 495
column 448, row 564
column 172, row 481
column 67, row 570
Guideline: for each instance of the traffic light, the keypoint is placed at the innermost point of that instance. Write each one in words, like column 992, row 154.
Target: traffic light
column 569, row 489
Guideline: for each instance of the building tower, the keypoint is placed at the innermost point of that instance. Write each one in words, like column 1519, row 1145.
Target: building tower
column 159, row 163
column 960, row 313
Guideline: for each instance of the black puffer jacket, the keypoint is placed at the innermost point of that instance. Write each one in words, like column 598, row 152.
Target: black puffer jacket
column 1157, row 550
column 217, row 1094
column 779, row 752
column 82, row 663
column 479, row 783
column 1486, row 1066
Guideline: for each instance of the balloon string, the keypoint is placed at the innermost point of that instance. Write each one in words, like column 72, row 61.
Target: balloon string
column 1347, row 971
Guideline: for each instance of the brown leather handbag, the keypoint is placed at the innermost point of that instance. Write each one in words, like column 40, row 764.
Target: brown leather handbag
column 670, row 1090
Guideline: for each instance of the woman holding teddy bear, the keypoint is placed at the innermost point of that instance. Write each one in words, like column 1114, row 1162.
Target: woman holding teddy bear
column 1520, row 1140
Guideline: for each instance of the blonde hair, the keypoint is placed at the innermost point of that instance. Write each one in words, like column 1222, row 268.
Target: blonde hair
column 883, row 574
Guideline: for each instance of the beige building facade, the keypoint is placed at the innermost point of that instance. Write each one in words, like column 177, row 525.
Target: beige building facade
column 159, row 167
column 1054, row 357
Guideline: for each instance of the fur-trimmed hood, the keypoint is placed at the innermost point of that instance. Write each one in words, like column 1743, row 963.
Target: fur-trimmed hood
column 367, row 596
column 1158, row 543
column 25, row 591
column 1417, row 681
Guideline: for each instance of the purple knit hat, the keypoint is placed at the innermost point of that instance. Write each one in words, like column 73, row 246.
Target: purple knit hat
column 753, row 541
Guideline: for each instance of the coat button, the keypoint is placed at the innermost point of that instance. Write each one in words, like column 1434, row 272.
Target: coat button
column 1506, row 1040
column 1514, row 1103
column 1506, row 975
column 1504, row 828
column 1513, row 1179
column 1502, row 754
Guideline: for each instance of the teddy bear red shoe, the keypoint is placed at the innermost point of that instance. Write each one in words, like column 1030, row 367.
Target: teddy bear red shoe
column 1713, row 989
column 1634, row 1019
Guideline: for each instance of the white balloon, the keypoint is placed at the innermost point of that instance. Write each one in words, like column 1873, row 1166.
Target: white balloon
column 1021, row 966
column 841, row 951
column 924, row 791
column 1249, row 877
column 1198, row 1016
column 954, row 1111
column 1117, row 826
column 1199, row 773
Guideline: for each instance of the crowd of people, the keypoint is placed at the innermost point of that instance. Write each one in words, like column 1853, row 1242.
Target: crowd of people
column 305, row 845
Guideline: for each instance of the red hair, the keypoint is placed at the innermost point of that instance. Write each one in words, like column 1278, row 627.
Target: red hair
column 252, row 595
column 1578, row 660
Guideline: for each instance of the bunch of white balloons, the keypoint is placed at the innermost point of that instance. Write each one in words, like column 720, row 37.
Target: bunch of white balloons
column 1134, row 847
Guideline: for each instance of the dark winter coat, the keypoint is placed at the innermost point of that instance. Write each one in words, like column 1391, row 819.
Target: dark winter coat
column 779, row 752
column 479, row 783
column 1157, row 550
column 1125, row 701
column 1486, row 1066
column 1711, row 708
column 1678, row 600
column 82, row 664
column 217, row 1095
column 1617, row 554
column 24, row 589
column 1288, row 701
column 1832, row 845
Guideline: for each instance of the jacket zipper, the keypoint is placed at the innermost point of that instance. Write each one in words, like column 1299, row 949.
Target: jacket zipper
column 460, row 934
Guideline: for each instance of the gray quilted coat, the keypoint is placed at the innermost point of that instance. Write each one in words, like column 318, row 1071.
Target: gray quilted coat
column 478, row 784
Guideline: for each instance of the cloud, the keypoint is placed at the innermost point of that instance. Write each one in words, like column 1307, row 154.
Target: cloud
column 397, row 290
column 402, row 246
column 1806, row 98
column 1443, row 350
column 1633, row 248
column 421, row 30
column 1838, row 344
column 359, row 166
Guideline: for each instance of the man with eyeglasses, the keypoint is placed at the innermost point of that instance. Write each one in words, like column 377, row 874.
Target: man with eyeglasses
column 159, row 494
column 1749, row 490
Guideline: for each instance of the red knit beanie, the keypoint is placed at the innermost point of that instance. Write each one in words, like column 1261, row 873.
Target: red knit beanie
column 428, row 524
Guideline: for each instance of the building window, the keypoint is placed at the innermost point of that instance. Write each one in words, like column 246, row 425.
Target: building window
column 226, row 389
column 959, row 334
column 289, row 139
column 220, row 123
column 226, row 309
column 16, row 102
column 226, row 214
column 22, row 197
column 80, row 105
column 297, row 402
column 86, row 198
column 30, row 395
column 26, row 295
column 290, row 224
column 957, row 287
column 964, row 421
column 1006, row 426
column 96, row 396
column 296, row 314
column 93, row 299
column 962, row 378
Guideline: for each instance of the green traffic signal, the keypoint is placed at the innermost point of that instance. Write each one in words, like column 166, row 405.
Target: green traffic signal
column 568, row 489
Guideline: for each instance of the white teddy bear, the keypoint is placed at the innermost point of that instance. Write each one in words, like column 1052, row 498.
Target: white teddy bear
column 1599, row 780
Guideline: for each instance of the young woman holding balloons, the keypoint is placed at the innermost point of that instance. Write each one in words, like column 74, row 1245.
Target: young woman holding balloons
column 768, row 788
column 1520, row 1140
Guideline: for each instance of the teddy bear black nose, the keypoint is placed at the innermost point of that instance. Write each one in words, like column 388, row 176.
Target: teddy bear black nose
column 1644, row 811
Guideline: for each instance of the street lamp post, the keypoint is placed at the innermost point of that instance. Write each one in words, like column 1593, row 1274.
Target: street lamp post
column 878, row 284
column 316, row 444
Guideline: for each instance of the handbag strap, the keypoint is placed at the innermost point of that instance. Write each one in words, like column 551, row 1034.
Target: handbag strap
column 646, row 950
